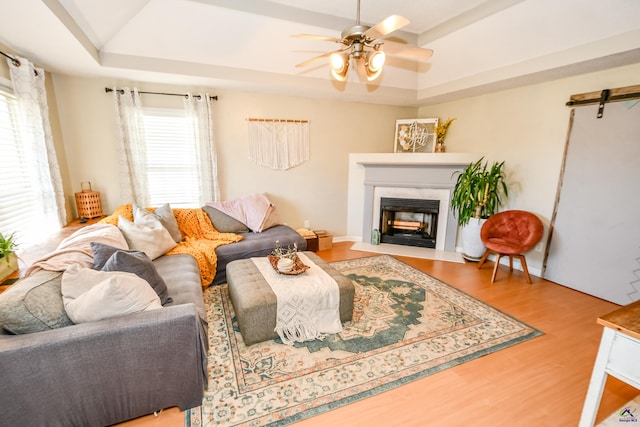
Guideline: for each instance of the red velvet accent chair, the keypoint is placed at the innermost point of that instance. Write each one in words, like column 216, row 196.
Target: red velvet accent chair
column 510, row 233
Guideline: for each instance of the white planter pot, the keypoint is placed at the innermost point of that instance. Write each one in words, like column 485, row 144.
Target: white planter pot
column 8, row 265
column 472, row 246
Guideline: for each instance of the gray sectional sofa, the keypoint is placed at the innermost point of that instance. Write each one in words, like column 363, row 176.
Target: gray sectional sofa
column 57, row 373
column 105, row 372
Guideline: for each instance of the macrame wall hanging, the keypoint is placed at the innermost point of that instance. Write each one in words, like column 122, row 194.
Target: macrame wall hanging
column 278, row 144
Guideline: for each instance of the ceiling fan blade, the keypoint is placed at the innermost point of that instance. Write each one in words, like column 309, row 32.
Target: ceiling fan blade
column 316, row 58
column 406, row 51
column 312, row 37
column 388, row 26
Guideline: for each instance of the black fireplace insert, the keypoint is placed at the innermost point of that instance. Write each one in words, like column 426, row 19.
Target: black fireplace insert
column 411, row 222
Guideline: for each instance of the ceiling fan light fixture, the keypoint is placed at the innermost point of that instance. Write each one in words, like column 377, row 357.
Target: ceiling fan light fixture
column 376, row 60
column 339, row 65
column 361, row 48
column 374, row 64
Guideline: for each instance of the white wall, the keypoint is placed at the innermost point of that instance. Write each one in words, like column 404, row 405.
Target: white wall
column 316, row 190
column 527, row 128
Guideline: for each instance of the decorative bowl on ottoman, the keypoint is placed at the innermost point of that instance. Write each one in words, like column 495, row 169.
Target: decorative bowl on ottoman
column 285, row 265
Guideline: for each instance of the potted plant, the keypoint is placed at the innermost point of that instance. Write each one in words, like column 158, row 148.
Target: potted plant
column 477, row 194
column 441, row 131
column 8, row 257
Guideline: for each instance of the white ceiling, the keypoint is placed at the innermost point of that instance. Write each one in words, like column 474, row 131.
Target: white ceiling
column 479, row 45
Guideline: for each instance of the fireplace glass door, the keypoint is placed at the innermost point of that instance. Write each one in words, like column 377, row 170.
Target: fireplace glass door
column 411, row 222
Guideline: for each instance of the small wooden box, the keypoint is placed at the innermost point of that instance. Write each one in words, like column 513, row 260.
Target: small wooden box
column 312, row 243
column 88, row 202
column 325, row 240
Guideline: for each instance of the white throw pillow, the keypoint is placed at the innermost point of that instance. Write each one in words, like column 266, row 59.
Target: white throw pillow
column 165, row 214
column 147, row 235
column 91, row 295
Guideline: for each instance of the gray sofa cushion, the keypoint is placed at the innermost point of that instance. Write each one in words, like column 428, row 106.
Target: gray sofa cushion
column 180, row 272
column 34, row 304
column 223, row 222
column 255, row 245
column 141, row 265
column 165, row 214
column 102, row 253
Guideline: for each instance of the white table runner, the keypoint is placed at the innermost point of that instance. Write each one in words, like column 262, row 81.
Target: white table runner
column 308, row 304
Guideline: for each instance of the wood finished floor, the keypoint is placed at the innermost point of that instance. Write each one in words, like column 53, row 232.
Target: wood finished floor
column 541, row 382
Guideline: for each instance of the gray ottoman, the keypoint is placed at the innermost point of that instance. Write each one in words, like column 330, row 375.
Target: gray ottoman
column 255, row 303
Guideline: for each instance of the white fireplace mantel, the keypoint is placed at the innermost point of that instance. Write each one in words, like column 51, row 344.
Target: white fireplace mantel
column 368, row 171
column 458, row 159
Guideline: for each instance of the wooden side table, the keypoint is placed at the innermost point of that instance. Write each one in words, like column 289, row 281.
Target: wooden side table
column 618, row 355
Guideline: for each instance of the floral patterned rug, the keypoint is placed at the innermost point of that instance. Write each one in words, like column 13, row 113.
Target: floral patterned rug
column 406, row 325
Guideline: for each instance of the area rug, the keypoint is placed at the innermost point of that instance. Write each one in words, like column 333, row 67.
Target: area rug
column 406, row 325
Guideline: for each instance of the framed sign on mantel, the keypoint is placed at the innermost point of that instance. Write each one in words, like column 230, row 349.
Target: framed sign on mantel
column 415, row 136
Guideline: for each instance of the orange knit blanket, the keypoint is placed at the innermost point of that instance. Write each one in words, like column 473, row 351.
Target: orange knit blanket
column 200, row 237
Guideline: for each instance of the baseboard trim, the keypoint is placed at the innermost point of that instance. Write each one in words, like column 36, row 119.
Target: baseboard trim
column 409, row 251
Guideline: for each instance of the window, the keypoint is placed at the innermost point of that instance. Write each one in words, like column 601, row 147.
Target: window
column 19, row 211
column 171, row 156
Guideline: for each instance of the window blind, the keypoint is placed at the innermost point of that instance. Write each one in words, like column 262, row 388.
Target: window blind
column 171, row 158
column 18, row 206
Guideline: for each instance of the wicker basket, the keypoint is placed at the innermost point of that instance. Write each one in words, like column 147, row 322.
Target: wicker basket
column 88, row 202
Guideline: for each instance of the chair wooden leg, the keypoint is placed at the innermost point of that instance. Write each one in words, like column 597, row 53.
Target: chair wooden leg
column 495, row 267
column 484, row 258
column 510, row 263
column 524, row 267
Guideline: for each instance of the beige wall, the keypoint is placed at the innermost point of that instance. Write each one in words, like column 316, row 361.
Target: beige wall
column 527, row 128
column 316, row 190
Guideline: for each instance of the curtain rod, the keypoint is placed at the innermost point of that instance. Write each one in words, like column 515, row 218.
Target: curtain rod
column 121, row 91
column 277, row 120
column 14, row 61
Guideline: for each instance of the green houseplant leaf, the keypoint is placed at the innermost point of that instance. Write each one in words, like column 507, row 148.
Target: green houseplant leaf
column 479, row 191
column 7, row 246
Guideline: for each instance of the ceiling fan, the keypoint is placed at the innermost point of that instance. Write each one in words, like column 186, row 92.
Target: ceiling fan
column 367, row 47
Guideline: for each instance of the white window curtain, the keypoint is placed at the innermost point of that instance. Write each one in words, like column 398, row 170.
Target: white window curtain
column 278, row 144
column 199, row 112
column 131, row 146
column 37, row 140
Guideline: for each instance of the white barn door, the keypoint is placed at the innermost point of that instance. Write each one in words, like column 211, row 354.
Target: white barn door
column 595, row 242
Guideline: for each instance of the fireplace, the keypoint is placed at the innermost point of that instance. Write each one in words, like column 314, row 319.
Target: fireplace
column 427, row 201
column 429, row 176
column 411, row 222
